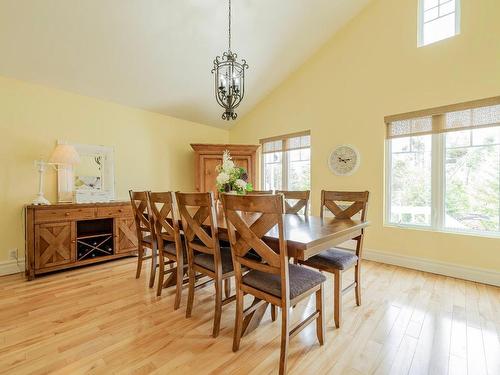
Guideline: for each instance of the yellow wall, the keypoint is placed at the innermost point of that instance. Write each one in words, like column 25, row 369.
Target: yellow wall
column 151, row 150
column 373, row 68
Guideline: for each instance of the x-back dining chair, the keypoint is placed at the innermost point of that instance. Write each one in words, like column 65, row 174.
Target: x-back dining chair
column 205, row 255
column 296, row 201
column 272, row 279
column 171, row 247
column 145, row 232
column 261, row 192
column 343, row 205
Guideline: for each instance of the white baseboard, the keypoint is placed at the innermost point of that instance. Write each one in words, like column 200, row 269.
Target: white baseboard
column 10, row 267
column 481, row 275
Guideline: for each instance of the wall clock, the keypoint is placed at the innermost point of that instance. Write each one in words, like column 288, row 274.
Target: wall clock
column 344, row 160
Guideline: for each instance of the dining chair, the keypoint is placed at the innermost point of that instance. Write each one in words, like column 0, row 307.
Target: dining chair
column 261, row 192
column 343, row 205
column 295, row 201
column 145, row 232
column 205, row 255
column 171, row 249
column 273, row 279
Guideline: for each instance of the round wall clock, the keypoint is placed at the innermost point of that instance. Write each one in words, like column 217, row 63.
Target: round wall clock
column 344, row 160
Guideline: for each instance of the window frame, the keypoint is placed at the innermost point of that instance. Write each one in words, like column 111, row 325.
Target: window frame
column 284, row 157
column 421, row 23
column 438, row 173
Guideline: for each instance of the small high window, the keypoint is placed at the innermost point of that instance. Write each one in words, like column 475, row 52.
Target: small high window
column 437, row 20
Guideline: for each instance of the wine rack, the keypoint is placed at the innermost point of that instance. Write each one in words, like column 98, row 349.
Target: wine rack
column 94, row 239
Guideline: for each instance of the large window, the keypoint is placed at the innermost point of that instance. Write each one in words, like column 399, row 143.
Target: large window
column 443, row 168
column 437, row 20
column 286, row 162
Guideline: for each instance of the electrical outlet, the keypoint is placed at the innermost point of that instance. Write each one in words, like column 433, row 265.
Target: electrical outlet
column 13, row 254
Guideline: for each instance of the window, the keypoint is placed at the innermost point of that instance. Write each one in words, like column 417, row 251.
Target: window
column 286, row 162
column 437, row 20
column 443, row 168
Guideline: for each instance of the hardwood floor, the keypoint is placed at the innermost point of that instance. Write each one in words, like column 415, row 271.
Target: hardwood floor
column 101, row 320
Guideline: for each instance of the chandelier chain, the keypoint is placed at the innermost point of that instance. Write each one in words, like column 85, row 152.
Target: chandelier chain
column 229, row 25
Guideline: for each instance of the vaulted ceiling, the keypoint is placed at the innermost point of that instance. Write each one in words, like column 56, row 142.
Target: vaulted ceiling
column 157, row 54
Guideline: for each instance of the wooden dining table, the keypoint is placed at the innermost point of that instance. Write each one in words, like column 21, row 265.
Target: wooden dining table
column 306, row 236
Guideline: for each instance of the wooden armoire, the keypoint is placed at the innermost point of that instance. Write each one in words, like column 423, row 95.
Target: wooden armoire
column 209, row 156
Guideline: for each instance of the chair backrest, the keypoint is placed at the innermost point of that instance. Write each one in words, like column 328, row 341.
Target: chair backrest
column 165, row 218
column 295, row 201
column 142, row 214
column 354, row 202
column 199, row 222
column 261, row 192
column 248, row 219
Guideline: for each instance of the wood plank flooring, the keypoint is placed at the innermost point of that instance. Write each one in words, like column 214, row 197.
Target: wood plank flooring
column 101, row 320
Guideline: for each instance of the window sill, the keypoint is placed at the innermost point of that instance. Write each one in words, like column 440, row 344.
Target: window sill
column 444, row 231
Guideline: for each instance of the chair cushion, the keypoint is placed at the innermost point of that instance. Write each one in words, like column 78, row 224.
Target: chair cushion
column 333, row 258
column 301, row 280
column 169, row 247
column 207, row 260
column 148, row 239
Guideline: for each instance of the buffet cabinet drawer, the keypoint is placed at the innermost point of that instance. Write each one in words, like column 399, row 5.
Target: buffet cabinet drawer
column 53, row 215
column 114, row 211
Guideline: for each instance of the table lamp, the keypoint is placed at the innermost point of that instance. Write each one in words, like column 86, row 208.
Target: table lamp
column 63, row 155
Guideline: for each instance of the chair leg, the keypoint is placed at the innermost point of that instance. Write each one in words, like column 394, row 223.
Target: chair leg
column 285, row 338
column 178, row 284
column 273, row 313
column 140, row 255
column 337, row 294
column 227, row 287
column 161, row 275
column 357, row 279
column 154, row 260
column 218, row 307
column 238, row 321
column 320, row 321
column 190, row 301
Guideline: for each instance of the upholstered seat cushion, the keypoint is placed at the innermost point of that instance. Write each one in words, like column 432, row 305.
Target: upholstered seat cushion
column 207, row 260
column 169, row 247
column 148, row 239
column 301, row 280
column 333, row 258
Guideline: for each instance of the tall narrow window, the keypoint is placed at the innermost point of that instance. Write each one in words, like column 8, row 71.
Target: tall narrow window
column 443, row 168
column 437, row 20
column 286, row 162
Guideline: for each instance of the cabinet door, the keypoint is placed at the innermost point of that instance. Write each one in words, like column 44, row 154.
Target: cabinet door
column 126, row 236
column 54, row 244
column 209, row 164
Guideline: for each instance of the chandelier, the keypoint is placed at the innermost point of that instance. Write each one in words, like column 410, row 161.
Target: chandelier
column 229, row 79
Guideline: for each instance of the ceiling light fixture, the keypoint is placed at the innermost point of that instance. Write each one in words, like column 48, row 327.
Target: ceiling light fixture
column 229, row 79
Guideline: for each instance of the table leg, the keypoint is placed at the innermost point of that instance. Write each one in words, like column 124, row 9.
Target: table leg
column 253, row 320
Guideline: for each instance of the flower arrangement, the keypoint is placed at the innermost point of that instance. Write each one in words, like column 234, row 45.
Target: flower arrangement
column 231, row 177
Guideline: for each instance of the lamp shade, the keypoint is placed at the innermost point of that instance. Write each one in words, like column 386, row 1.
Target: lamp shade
column 65, row 154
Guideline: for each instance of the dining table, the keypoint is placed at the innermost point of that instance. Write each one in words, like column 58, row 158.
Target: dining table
column 306, row 236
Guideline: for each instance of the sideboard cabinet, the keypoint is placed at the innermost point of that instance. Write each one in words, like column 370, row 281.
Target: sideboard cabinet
column 62, row 236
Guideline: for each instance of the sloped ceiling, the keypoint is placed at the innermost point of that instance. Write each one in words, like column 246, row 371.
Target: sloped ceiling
column 157, row 54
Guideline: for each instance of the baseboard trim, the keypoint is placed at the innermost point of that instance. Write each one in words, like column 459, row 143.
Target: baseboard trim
column 481, row 275
column 10, row 267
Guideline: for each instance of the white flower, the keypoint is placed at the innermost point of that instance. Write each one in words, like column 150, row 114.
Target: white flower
column 227, row 162
column 241, row 184
column 222, row 178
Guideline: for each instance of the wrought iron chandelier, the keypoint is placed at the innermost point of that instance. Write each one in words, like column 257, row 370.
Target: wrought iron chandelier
column 229, row 79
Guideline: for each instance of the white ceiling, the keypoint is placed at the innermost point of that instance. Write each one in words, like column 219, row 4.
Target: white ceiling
column 157, row 54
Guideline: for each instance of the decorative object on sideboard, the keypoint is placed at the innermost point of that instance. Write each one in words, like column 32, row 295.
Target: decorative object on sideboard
column 92, row 180
column 230, row 178
column 229, row 79
column 344, row 160
column 64, row 156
